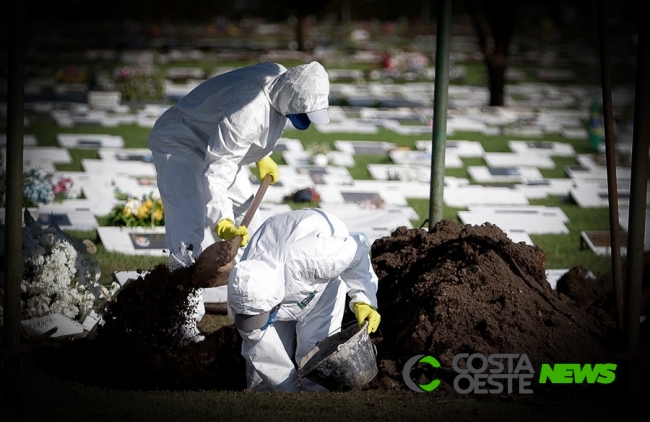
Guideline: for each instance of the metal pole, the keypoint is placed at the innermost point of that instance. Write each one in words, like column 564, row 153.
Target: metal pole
column 11, row 373
column 440, row 113
column 610, row 154
column 638, row 189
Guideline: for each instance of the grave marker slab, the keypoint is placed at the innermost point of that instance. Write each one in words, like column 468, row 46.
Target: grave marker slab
column 301, row 158
column 509, row 159
column 483, row 174
column 364, row 147
column 575, row 133
column 401, row 172
column 369, row 196
column 67, row 216
column 551, row 212
column 61, row 324
column 142, row 155
column 463, row 196
column 525, row 132
column 288, row 144
column 589, row 194
column 87, row 140
column 542, row 188
column 371, row 223
column 555, row 149
column 460, row 148
column 346, row 126
column 423, row 158
column 531, row 221
column 112, row 167
column 599, row 242
column 134, row 240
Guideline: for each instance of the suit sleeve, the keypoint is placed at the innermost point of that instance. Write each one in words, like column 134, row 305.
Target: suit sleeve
column 226, row 150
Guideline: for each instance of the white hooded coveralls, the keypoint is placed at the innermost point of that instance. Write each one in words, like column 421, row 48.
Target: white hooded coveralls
column 200, row 145
column 318, row 261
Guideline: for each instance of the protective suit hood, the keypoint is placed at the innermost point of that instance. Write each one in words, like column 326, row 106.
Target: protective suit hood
column 301, row 89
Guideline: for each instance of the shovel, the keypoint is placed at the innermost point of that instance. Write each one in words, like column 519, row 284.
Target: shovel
column 213, row 266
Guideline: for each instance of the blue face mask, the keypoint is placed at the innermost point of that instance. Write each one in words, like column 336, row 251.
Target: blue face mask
column 272, row 316
column 299, row 121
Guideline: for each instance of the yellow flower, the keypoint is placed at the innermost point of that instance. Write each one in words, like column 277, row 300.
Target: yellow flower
column 148, row 203
column 127, row 212
column 158, row 215
column 142, row 211
column 159, row 202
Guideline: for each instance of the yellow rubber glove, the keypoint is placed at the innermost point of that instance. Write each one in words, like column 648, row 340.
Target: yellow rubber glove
column 268, row 166
column 226, row 230
column 363, row 311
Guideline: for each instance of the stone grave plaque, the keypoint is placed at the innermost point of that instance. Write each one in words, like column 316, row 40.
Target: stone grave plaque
column 360, row 149
column 60, row 324
column 89, row 143
column 148, row 240
column 134, row 240
column 316, row 174
column 503, row 171
column 540, row 145
column 145, row 158
column 60, row 219
column 361, row 197
column 538, row 182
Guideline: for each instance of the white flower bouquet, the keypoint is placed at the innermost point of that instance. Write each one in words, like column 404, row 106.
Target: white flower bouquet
column 58, row 276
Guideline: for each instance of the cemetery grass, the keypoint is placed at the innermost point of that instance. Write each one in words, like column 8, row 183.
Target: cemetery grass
column 71, row 401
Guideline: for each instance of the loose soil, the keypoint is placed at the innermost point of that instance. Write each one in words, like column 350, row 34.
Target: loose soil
column 456, row 289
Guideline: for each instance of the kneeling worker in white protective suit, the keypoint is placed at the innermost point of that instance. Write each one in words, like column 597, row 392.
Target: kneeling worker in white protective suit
column 202, row 144
column 288, row 292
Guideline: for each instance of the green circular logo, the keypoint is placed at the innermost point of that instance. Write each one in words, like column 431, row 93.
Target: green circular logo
column 406, row 373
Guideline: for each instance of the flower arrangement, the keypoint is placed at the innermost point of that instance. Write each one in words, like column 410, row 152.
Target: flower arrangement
column 130, row 211
column 318, row 154
column 41, row 187
column 58, row 276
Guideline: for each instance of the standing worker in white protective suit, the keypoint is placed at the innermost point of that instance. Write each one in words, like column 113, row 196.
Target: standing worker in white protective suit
column 288, row 292
column 202, row 143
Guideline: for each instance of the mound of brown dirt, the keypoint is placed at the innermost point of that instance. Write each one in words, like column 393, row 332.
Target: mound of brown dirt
column 139, row 346
column 472, row 290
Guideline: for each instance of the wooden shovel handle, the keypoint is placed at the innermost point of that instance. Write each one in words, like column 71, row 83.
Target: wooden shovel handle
column 257, row 199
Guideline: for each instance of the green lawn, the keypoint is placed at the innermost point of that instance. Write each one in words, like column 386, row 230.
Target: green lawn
column 563, row 251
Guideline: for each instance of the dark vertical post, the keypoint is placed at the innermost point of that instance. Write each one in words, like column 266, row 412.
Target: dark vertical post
column 440, row 96
column 638, row 189
column 610, row 153
column 11, row 375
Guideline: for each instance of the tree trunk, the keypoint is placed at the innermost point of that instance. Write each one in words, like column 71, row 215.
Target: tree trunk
column 300, row 32
column 500, row 23
column 497, row 72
